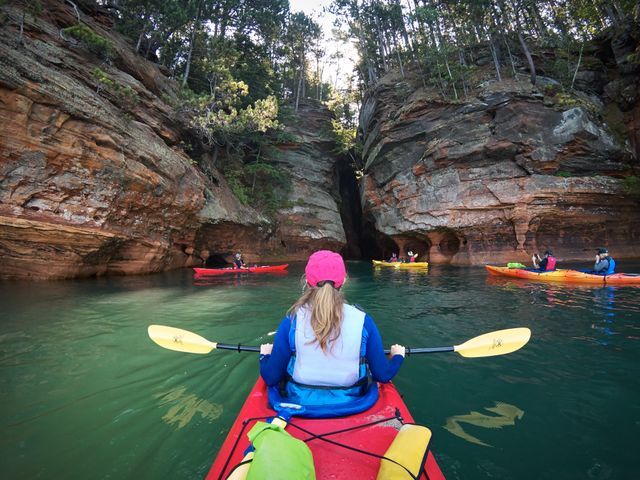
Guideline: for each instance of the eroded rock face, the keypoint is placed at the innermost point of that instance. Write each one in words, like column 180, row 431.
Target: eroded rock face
column 314, row 213
column 93, row 178
column 92, row 181
column 312, row 219
column 494, row 178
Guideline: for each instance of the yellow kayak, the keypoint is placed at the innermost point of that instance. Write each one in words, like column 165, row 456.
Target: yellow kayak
column 381, row 263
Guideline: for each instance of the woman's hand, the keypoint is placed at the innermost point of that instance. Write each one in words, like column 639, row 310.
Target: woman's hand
column 397, row 350
column 265, row 348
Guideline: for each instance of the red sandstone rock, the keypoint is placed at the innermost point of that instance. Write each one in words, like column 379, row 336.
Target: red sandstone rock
column 95, row 183
column 495, row 178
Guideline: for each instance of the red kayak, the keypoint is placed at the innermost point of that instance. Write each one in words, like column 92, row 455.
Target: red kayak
column 220, row 271
column 331, row 461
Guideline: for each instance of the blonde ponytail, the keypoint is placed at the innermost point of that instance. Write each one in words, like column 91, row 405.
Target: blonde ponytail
column 325, row 304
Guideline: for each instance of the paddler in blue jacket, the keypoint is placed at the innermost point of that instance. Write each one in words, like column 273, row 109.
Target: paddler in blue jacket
column 604, row 264
column 327, row 355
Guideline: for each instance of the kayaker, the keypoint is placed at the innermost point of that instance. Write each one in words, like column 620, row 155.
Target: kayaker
column 546, row 264
column 604, row 265
column 394, row 258
column 238, row 262
column 327, row 355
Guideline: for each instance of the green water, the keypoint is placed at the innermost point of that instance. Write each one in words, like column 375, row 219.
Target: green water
column 85, row 394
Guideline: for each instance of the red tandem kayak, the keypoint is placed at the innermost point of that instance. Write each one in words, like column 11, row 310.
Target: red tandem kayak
column 569, row 276
column 220, row 271
column 331, row 461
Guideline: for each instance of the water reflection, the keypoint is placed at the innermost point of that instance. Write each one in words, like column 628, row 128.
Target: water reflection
column 408, row 275
column 236, row 279
column 185, row 405
column 506, row 415
column 609, row 298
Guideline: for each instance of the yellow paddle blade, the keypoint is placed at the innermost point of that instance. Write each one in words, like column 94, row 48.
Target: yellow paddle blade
column 499, row 342
column 179, row 340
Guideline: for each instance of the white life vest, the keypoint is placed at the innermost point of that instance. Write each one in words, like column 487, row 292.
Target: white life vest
column 340, row 365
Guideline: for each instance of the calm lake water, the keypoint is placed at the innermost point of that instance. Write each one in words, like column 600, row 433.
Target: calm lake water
column 84, row 393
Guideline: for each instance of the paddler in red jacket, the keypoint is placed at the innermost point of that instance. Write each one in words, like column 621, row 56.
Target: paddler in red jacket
column 546, row 264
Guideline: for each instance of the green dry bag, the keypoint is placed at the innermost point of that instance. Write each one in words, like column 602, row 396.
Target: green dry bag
column 516, row 265
column 278, row 455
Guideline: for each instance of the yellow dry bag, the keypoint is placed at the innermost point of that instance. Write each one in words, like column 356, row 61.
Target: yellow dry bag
column 409, row 449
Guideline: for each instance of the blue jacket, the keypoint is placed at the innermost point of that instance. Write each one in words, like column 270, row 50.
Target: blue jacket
column 323, row 401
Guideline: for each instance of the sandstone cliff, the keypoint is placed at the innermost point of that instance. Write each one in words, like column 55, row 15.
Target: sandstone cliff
column 508, row 171
column 93, row 176
column 311, row 217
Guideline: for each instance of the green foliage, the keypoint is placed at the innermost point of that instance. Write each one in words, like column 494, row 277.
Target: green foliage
column 344, row 126
column 94, row 42
column 125, row 95
column 231, row 126
column 563, row 174
column 35, row 8
column 565, row 100
column 345, row 137
column 103, row 79
column 260, row 185
column 234, row 177
column 632, row 185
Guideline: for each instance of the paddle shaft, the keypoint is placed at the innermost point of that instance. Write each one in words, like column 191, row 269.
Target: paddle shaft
column 238, row 348
column 413, row 351
column 409, row 351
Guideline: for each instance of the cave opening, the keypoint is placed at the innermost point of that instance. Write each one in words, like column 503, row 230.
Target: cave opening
column 449, row 245
column 421, row 246
column 216, row 260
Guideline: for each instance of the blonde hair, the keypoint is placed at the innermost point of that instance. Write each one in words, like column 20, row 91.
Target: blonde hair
column 326, row 304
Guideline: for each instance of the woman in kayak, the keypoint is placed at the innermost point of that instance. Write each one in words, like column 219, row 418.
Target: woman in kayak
column 327, row 355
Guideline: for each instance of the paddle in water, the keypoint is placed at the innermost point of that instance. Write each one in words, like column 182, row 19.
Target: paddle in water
column 489, row 344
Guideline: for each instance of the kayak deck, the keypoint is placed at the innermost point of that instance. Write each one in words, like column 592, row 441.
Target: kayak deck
column 331, row 461
column 569, row 276
column 256, row 269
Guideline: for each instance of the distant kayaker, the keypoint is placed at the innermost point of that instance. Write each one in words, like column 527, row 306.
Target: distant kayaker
column 412, row 256
column 238, row 262
column 327, row 355
column 546, row 264
column 604, row 265
column 394, row 258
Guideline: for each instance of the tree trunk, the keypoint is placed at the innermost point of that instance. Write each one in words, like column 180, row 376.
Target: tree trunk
column 145, row 25
column 464, row 64
column 446, row 60
column 300, row 84
column 21, row 35
column 397, row 47
column 191, row 42
column 523, row 44
column 575, row 74
column 496, row 63
column 381, row 45
column 525, row 49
